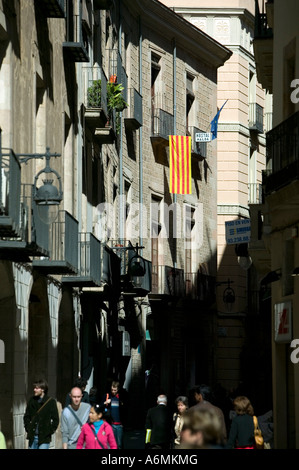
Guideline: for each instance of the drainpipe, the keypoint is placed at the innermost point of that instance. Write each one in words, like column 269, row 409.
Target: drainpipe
column 140, row 146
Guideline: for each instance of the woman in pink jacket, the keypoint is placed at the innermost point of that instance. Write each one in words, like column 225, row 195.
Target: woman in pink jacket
column 97, row 433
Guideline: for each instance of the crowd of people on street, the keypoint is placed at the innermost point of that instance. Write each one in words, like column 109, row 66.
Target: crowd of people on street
column 84, row 423
column 203, row 425
column 87, row 424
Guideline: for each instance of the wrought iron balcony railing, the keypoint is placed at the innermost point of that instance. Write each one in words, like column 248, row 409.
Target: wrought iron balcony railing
column 30, row 236
column 256, row 117
column 282, row 144
column 63, row 247
column 77, row 43
column 133, row 113
column 10, row 195
column 168, row 281
column 162, row 124
column 95, row 96
column 89, row 262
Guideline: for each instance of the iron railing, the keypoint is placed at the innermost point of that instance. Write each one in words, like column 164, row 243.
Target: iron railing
column 10, row 194
column 95, row 87
column 63, row 245
column 162, row 123
column 256, row 117
column 168, row 281
column 133, row 112
column 89, row 257
column 76, row 43
column 282, row 144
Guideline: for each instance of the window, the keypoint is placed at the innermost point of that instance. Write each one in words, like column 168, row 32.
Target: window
column 189, row 100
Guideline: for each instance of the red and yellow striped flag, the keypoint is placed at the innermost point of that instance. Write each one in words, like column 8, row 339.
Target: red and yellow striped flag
column 180, row 164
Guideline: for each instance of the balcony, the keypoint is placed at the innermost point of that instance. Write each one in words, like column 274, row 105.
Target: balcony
column 200, row 287
column 198, row 149
column 53, row 8
column 263, row 49
column 95, row 97
column 10, row 193
column 168, row 281
column 108, row 133
column 255, row 193
column 89, row 251
column 76, row 46
column 63, row 243
column 282, row 144
column 256, row 118
column 23, row 234
column 162, row 127
column 133, row 113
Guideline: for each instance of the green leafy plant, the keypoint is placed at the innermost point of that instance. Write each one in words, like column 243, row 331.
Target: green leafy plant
column 94, row 94
column 115, row 99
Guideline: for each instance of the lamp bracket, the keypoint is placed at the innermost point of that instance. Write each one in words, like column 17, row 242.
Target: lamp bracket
column 25, row 157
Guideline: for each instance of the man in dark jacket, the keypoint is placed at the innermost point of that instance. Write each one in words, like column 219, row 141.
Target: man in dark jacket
column 41, row 417
column 158, row 425
column 203, row 397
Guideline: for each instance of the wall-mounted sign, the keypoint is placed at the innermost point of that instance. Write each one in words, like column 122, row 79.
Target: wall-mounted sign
column 203, row 137
column 237, row 231
column 283, row 322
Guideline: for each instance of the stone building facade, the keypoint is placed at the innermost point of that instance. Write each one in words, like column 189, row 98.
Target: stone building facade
column 70, row 302
column 241, row 158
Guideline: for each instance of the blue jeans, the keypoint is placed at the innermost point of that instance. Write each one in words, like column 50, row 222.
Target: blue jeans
column 35, row 445
column 118, row 434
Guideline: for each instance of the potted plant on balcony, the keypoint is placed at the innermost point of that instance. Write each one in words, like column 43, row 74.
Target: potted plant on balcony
column 115, row 99
column 94, row 94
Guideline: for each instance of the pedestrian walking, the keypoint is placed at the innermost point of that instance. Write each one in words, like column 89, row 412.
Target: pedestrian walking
column 41, row 417
column 178, row 419
column 81, row 383
column 241, row 435
column 97, row 433
column 203, row 398
column 115, row 403
column 158, row 425
column 93, row 396
column 72, row 419
column 202, row 429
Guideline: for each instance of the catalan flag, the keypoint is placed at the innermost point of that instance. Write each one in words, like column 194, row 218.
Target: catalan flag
column 180, row 164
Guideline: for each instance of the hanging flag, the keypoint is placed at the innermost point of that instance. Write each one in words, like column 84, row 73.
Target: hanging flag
column 214, row 123
column 180, row 164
